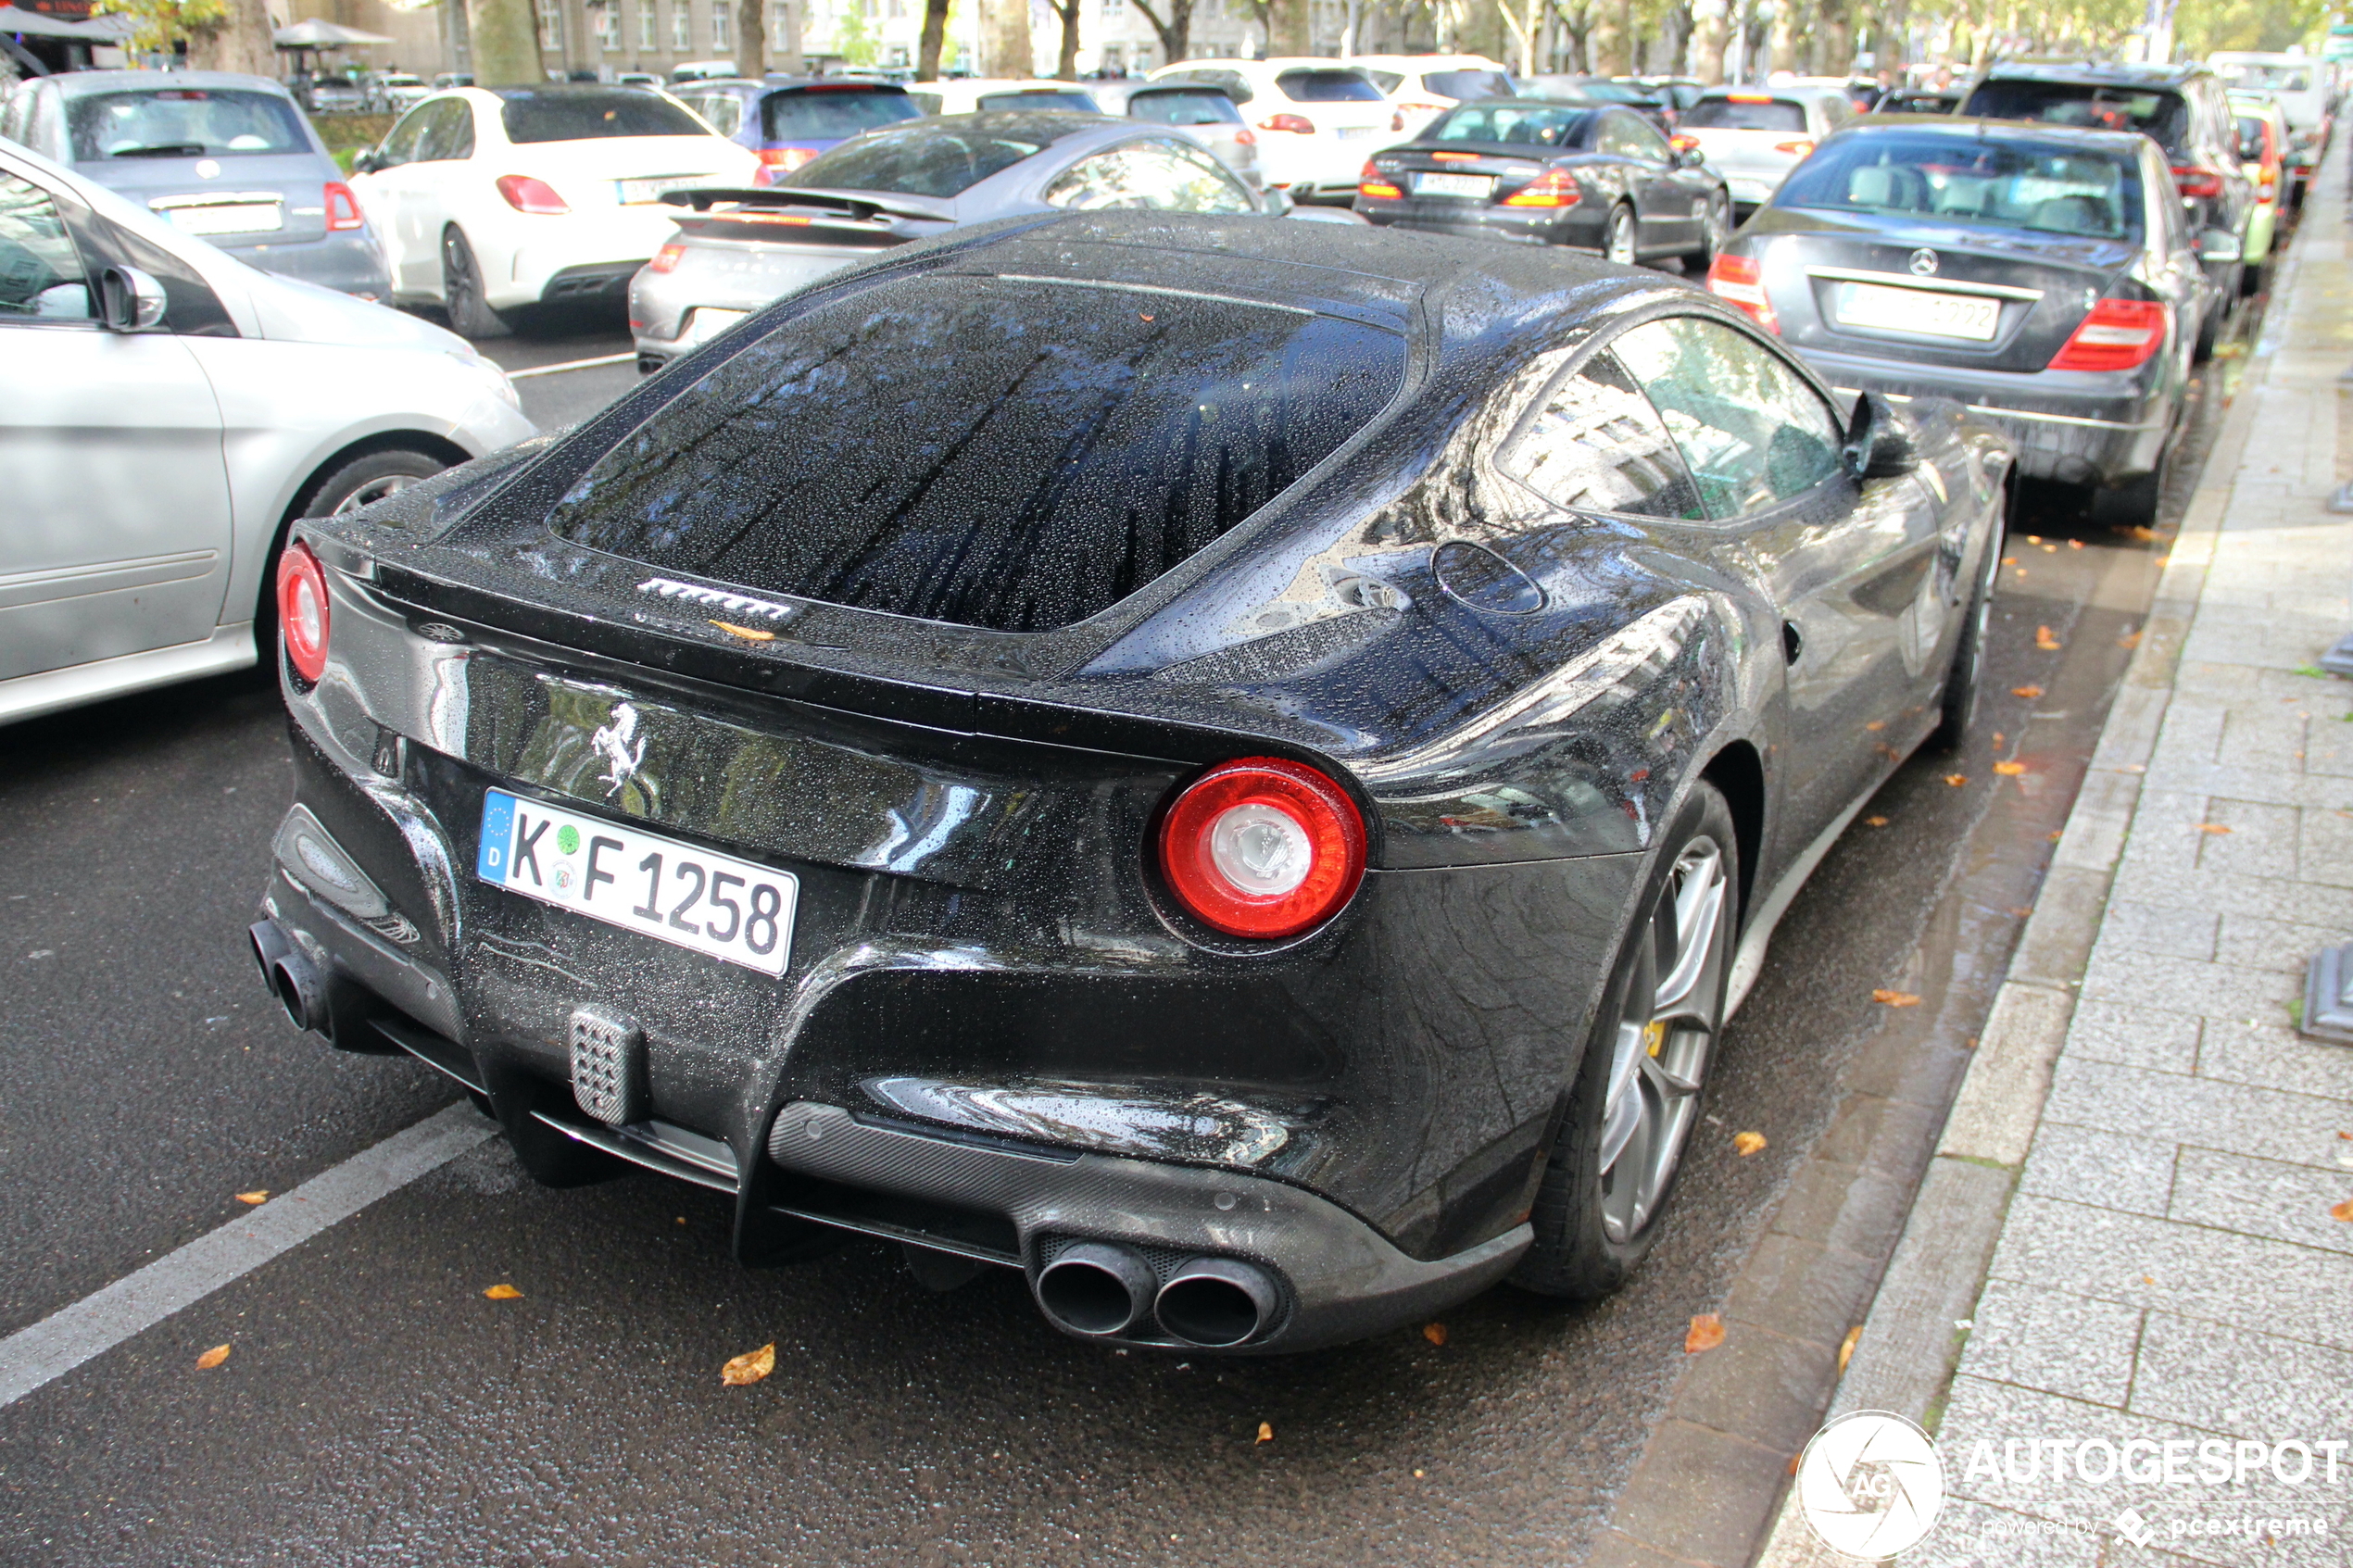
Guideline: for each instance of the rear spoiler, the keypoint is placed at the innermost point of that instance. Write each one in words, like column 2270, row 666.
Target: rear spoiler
column 861, row 209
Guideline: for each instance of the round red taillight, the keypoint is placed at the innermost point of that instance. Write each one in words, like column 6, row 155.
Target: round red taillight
column 1263, row 847
column 302, row 610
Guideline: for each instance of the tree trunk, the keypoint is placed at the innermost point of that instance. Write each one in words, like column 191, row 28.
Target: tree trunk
column 1785, row 21
column 1711, row 32
column 1176, row 30
column 1005, row 47
column 751, row 38
column 239, row 42
column 506, row 41
column 1286, row 27
column 934, row 39
column 1066, row 60
column 1605, row 44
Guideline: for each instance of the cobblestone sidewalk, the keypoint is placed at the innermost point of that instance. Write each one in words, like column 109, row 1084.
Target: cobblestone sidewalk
column 2127, row 1233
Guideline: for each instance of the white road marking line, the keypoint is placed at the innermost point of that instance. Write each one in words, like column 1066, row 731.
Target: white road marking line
column 628, row 358
column 99, row 1322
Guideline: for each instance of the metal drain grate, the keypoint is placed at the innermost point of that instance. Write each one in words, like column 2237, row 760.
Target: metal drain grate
column 607, row 1067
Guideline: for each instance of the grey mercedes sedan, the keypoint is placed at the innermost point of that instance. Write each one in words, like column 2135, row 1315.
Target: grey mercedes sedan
column 229, row 158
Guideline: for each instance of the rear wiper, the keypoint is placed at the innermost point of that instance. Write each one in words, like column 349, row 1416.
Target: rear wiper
column 173, row 149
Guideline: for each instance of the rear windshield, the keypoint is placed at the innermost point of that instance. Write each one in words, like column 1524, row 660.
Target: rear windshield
column 1749, row 114
column 832, row 114
column 1017, row 456
column 580, row 114
column 183, row 122
column 1187, row 106
column 2279, row 78
column 2050, row 190
column 1037, row 99
column 1327, row 87
column 921, row 160
column 2153, row 113
column 1461, row 84
column 1531, row 124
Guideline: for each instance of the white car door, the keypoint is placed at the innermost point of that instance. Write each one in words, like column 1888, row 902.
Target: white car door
column 115, row 534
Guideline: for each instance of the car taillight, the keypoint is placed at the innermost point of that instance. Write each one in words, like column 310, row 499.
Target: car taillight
column 786, row 159
column 1373, row 183
column 1740, row 280
column 666, row 259
column 2199, row 184
column 302, row 610
column 1802, row 147
column 343, row 207
column 1683, row 142
column 1554, row 187
column 2116, row 335
column 526, row 193
column 1263, row 847
column 1245, row 137
column 1298, row 123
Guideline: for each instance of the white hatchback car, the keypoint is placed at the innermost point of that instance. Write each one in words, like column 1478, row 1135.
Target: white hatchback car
column 494, row 199
column 165, row 411
column 1422, row 87
column 1317, row 121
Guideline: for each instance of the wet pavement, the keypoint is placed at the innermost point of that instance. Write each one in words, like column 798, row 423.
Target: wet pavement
column 376, row 1406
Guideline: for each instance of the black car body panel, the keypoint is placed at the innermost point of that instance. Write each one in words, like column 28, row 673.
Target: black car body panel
column 2081, row 427
column 998, row 1033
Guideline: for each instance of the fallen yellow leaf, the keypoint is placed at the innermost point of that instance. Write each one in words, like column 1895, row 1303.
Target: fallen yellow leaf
column 258, row 1195
column 2213, row 827
column 2009, row 769
column 1957, row 780
column 2050, row 549
column 1997, row 737
column 1435, row 1333
column 1706, row 1333
column 212, row 1358
column 503, row 1293
column 2046, row 641
column 1746, row 1144
column 2009, row 561
column 1874, row 821
column 1876, row 724
column 750, row 1367
column 1896, row 999
column 2034, row 538
column 2075, row 544
column 2135, row 531
column 1846, row 1345
column 1266, row 1431
column 2342, row 1210
column 2130, row 640
column 2030, row 692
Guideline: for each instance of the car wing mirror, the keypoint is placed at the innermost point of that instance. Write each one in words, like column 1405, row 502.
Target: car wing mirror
column 367, row 162
column 2218, row 245
column 1879, row 440
column 128, row 300
column 1276, row 202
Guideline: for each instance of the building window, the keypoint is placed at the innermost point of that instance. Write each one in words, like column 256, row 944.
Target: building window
column 551, row 24
column 644, row 24
column 779, row 26
column 609, row 27
column 722, row 28
column 682, row 37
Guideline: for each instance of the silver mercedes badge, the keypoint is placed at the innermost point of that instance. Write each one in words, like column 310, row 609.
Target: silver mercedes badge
column 1924, row 263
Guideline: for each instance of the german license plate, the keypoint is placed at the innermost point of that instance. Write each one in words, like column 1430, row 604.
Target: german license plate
column 709, row 321
column 1358, row 132
column 228, row 217
column 636, row 193
column 1476, row 186
column 641, row 882
column 1969, row 316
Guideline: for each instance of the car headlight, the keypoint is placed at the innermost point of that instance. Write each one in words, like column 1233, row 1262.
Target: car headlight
column 489, row 371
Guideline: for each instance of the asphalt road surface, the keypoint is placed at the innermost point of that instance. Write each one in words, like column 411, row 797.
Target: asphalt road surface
column 377, row 1407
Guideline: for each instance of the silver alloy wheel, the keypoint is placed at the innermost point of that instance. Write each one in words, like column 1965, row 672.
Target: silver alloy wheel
column 1720, row 225
column 1619, row 246
column 374, row 490
column 1665, row 1032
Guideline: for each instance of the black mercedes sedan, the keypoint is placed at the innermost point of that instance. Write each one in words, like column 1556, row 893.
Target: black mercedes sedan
column 1236, row 769
column 1590, row 176
column 2044, row 276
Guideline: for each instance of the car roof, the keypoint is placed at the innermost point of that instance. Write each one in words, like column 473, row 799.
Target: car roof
column 2102, row 72
column 1796, row 92
column 1426, row 62
column 83, row 83
column 1973, row 128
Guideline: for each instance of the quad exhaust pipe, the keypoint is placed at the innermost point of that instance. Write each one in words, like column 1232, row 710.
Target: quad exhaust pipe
column 1100, row 1290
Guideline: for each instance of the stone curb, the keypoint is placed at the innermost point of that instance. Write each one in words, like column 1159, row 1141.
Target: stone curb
column 1908, row 1347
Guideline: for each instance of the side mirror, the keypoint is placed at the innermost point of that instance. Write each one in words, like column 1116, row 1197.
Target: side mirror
column 367, row 162
column 1879, row 442
column 2218, row 245
column 1277, row 202
column 128, row 300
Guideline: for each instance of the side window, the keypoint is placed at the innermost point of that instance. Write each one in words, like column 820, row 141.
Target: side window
column 1752, row 431
column 450, row 137
column 42, row 277
column 16, row 119
column 1641, row 140
column 725, row 111
column 400, row 146
column 1595, row 444
column 1161, row 176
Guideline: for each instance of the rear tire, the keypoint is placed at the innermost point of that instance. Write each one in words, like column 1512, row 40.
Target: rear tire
column 1716, row 227
column 2133, row 504
column 1967, row 675
column 461, row 296
column 2211, row 328
column 346, row 487
column 1617, row 237
column 1636, row 1095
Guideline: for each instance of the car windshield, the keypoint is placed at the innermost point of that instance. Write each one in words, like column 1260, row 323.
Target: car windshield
column 923, row 159
column 183, row 122
column 1327, row 87
column 821, row 114
column 2047, row 189
column 1530, row 123
column 1037, row 99
column 1017, row 455
column 1190, row 106
column 1460, row 84
column 2252, row 73
column 2160, row 115
column 580, row 114
column 1745, row 112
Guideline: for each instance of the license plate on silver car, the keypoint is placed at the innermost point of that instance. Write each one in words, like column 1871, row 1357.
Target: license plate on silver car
column 1476, row 186
column 641, row 882
column 637, row 193
column 1971, row 315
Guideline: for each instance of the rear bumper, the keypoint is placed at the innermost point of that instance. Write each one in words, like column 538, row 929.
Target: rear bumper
column 1578, row 226
column 351, row 263
column 2074, row 427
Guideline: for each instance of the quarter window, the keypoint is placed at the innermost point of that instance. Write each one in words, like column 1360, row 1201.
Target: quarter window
column 1752, row 431
column 1597, row 444
column 1154, row 175
column 42, row 277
